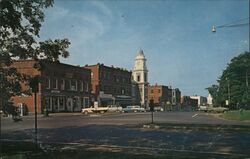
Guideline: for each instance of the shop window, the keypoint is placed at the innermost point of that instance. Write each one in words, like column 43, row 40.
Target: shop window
column 61, row 103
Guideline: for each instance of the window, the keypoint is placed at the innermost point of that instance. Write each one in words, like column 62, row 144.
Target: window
column 48, row 105
column 61, row 103
column 123, row 91
column 159, row 91
column 62, row 84
column 86, row 87
column 47, row 83
column 67, row 84
column 81, row 86
column 73, row 85
column 54, row 83
column 138, row 77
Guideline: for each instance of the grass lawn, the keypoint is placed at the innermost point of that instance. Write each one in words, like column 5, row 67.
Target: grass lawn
column 242, row 115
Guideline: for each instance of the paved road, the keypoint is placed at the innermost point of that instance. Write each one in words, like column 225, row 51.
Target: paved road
column 77, row 119
column 125, row 131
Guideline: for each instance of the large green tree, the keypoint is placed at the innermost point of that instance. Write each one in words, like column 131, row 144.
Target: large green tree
column 233, row 84
column 20, row 23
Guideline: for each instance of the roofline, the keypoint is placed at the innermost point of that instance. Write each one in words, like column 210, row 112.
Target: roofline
column 50, row 62
column 111, row 67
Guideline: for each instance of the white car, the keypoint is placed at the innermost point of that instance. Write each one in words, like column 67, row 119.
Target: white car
column 158, row 109
column 114, row 108
column 133, row 108
column 203, row 108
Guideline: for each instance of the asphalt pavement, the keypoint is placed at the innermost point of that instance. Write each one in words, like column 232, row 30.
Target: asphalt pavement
column 125, row 131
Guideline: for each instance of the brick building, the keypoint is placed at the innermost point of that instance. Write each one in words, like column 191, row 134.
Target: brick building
column 189, row 104
column 111, row 85
column 62, row 87
column 160, row 94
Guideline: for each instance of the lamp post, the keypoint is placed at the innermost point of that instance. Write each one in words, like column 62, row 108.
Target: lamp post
column 34, row 84
column 151, row 105
column 34, row 81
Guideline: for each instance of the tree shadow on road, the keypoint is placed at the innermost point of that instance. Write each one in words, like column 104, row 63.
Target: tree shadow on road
column 133, row 139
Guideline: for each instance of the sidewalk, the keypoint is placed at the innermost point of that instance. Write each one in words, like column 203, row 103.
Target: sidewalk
column 32, row 115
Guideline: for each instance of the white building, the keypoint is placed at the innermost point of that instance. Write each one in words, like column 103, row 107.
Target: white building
column 201, row 100
column 209, row 99
column 140, row 76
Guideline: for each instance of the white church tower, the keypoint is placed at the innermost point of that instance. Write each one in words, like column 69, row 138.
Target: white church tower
column 140, row 76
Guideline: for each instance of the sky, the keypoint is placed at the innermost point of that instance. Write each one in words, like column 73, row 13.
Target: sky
column 175, row 36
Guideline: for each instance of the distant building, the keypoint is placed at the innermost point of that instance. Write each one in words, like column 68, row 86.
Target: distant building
column 188, row 103
column 160, row 94
column 63, row 87
column 210, row 100
column 111, row 85
column 201, row 100
column 140, row 76
column 165, row 96
column 176, row 96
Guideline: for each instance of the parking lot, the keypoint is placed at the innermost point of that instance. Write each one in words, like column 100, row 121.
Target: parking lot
column 125, row 131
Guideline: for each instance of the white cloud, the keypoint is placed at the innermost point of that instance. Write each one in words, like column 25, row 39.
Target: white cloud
column 103, row 8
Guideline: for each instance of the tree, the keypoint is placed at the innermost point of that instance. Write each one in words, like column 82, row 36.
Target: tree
column 20, row 24
column 233, row 83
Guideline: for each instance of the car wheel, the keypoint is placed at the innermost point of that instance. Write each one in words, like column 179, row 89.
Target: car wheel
column 102, row 112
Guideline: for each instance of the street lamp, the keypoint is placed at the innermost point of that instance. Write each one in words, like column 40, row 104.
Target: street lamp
column 34, row 85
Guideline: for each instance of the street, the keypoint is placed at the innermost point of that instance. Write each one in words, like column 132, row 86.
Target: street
column 125, row 131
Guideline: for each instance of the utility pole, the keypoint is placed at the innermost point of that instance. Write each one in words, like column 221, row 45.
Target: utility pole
column 36, row 120
column 228, row 91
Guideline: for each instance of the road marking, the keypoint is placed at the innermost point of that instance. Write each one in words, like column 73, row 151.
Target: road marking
column 194, row 115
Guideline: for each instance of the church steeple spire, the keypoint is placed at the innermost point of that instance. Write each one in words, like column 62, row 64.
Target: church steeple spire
column 140, row 75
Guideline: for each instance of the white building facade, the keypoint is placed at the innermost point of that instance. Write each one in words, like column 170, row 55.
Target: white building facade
column 201, row 100
column 140, row 76
column 209, row 99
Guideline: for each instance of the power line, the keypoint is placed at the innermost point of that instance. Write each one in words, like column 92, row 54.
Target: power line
column 234, row 22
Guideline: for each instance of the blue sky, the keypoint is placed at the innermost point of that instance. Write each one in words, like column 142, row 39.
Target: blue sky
column 175, row 36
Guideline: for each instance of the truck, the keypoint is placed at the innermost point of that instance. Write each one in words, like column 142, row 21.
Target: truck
column 94, row 109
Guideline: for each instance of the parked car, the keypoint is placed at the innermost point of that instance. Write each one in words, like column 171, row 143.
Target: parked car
column 93, row 109
column 217, row 109
column 158, row 109
column 114, row 108
column 133, row 108
column 203, row 108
